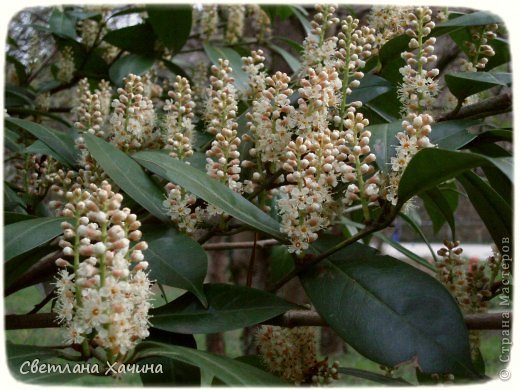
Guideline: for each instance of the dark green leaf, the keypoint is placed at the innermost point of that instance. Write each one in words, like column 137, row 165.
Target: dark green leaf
column 440, row 204
column 12, row 202
column 177, row 261
column 390, row 57
column 231, row 372
column 139, row 38
column 62, row 24
column 281, row 262
column 128, row 175
column 383, row 142
column 389, row 311
column 38, row 147
column 421, row 174
column 11, row 139
column 494, row 211
column 464, row 84
column 502, row 53
column 452, row 135
column 212, row 191
column 21, row 237
column 10, row 217
column 478, row 18
column 131, row 63
column 229, row 307
column 373, row 376
column 292, row 61
column 172, row 24
column 174, row 373
column 60, row 142
column 371, row 86
column 175, row 69
column 415, row 226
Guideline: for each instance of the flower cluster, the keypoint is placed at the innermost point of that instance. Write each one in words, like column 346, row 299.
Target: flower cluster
column 415, row 137
column 34, row 174
column 208, row 21
column 223, row 157
column 133, row 118
column 478, row 48
column 178, row 138
column 388, row 22
column 419, row 87
column 66, row 66
column 470, row 284
column 290, row 353
column 318, row 50
column 261, row 21
column 103, row 292
column 89, row 31
column 235, row 22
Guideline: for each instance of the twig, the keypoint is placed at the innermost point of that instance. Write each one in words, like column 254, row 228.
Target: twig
column 251, row 268
column 45, row 300
column 492, row 106
column 291, row 318
column 219, row 246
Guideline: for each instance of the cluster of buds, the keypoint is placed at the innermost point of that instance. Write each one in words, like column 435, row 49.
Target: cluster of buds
column 419, row 88
column 415, row 137
column 180, row 205
column 223, row 161
column 261, row 21
column 222, row 105
column 254, row 68
column 388, row 22
column 208, row 20
column 290, row 353
column 318, row 49
column 178, row 120
column 318, row 96
column 133, row 118
column 103, row 292
column 66, row 65
column 360, row 172
column 34, row 174
column 89, row 115
column 89, row 31
column 235, row 23
column 478, row 49
column 269, row 128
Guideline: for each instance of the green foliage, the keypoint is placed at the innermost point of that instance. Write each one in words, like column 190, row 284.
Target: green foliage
column 384, row 308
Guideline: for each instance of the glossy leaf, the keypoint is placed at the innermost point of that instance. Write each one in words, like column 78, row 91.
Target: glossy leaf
column 230, row 371
column 383, row 142
column 11, row 141
column 21, row 237
column 389, row 311
column 12, row 202
column 478, row 18
column 174, row 373
column 38, row 147
column 138, row 39
column 494, row 211
column 464, row 84
column 10, row 217
column 229, row 307
column 417, row 228
column 373, row 376
column 292, row 61
column 131, row 63
column 440, row 204
column 421, row 175
column 172, row 24
column 60, row 142
column 62, row 24
column 128, row 175
column 176, row 260
column 212, row 191
column 452, row 135
column 371, row 86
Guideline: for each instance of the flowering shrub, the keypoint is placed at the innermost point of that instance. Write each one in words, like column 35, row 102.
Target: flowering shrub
column 202, row 122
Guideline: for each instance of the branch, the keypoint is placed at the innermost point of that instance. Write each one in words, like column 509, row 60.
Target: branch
column 294, row 318
column 291, row 318
column 492, row 106
column 39, row 272
column 219, row 246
